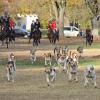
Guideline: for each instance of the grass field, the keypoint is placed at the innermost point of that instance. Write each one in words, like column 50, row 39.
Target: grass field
column 26, row 63
column 30, row 84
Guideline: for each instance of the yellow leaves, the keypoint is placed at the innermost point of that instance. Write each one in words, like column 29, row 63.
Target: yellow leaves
column 72, row 3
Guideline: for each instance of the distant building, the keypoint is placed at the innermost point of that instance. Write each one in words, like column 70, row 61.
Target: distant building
column 24, row 21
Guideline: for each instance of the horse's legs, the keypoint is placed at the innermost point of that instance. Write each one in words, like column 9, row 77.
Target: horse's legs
column 90, row 42
column 2, row 42
column 36, row 41
column 39, row 41
column 29, row 40
column 86, row 41
column 58, row 38
column 7, row 42
column 10, row 40
column 54, row 39
column 33, row 41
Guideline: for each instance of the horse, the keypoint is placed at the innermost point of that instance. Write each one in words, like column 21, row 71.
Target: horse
column 36, row 35
column 6, row 35
column 89, row 36
column 3, row 36
column 53, row 35
column 89, row 39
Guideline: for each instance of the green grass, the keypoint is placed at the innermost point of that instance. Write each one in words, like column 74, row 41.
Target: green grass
column 84, row 62
column 93, row 46
column 25, row 63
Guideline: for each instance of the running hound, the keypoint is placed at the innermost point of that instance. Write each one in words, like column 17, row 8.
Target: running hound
column 80, row 51
column 89, row 73
column 65, row 50
column 33, row 55
column 72, row 63
column 50, row 75
column 10, row 71
column 62, row 63
column 12, row 59
column 48, row 59
column 57, row 52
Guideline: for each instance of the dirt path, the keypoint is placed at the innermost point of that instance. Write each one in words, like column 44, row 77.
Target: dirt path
column 26, row 53
column 81, row 68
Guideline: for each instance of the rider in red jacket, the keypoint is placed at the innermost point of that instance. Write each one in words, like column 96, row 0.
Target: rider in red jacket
column 53, row 25
column 11, row 23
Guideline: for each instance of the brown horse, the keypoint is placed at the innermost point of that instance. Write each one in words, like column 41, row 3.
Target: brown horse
column 53, row 35
column 89, row 39
column 89, row 36
column 36, row 36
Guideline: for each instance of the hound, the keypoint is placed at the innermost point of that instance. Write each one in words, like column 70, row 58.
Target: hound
column 80, row 50
column 50, row 75
column 89, row 73
column 33, row 56
column 57, row 52
column 72, row 67
column 62, row 63
column 75, row 57
column 48, row 59
column 65, row 50
column 12, row 59
column 10, row 71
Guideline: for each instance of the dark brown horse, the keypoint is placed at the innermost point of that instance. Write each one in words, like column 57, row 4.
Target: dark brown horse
column 89, row 40
column 6, row 34
column 53, row 35
column 36, row 36
column 89, row 36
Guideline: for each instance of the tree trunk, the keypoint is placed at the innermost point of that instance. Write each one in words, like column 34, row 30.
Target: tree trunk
column 61, row 21
column 59, row 10
column 95, row 29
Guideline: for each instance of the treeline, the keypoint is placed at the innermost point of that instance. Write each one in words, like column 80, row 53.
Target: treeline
column 76, row 10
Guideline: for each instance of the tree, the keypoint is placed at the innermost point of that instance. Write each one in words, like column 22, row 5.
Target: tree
column 59, row 11
column 93, row 6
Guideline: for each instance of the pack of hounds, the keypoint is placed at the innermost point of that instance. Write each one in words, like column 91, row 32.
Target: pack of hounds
column 66, row 61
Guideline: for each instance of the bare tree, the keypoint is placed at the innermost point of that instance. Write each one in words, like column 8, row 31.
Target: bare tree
column 94, row 8
column 59, row 11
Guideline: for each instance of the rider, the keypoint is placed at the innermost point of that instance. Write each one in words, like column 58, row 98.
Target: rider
column 37, row 26
column 50, row 26
column 6, row 24
column 32, row 28
column 11, row 23
column 11, row 27
column 54, row 26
